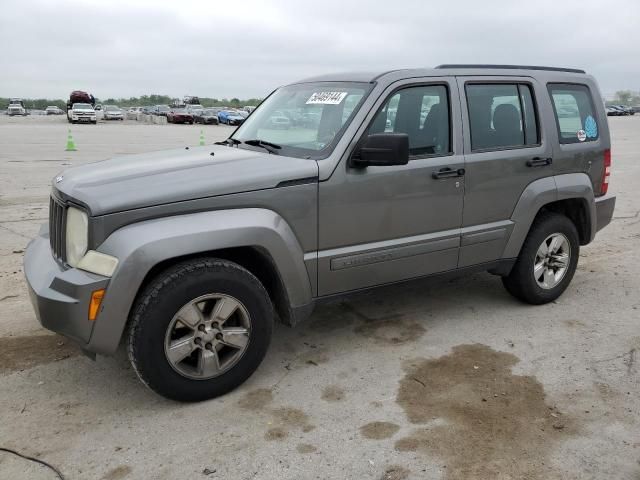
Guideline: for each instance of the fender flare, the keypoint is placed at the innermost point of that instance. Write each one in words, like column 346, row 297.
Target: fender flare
column 141, row 246
column 542, row 192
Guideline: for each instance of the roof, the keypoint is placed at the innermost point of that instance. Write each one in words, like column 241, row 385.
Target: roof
column 452, row 69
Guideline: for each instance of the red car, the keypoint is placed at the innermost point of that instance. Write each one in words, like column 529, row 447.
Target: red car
column 179, row 115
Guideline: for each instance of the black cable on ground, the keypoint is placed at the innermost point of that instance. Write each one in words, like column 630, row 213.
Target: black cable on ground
column 33, row 459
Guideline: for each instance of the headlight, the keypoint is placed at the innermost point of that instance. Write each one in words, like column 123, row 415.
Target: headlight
column 77, row 235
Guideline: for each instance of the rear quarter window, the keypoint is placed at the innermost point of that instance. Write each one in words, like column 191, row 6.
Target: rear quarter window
column 574, row 112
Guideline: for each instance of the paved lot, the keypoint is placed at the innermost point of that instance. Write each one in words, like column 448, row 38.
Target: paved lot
column 430, row 380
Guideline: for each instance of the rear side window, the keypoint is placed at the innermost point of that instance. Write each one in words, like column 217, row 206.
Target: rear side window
column 573, row 107
column 422, row 112
column 501, row 116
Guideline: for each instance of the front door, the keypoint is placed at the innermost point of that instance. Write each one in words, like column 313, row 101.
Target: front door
column 383, row 224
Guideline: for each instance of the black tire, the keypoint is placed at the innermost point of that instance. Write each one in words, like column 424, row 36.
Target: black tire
column 521, row 282
column 165, row 295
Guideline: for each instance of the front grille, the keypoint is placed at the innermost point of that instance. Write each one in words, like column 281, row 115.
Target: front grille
column 57, row 227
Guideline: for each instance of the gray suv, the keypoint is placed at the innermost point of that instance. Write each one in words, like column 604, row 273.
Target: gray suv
column 190, row 255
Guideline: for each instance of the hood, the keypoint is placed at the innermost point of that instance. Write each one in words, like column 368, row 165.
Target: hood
column 136, row 181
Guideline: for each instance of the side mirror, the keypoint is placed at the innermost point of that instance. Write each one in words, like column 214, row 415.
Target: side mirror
column 382, row 149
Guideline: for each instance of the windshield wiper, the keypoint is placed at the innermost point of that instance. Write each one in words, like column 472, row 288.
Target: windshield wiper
column 229, row 141
column 268, row 146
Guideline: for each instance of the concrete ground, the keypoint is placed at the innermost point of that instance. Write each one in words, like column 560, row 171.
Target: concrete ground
column 431, row 379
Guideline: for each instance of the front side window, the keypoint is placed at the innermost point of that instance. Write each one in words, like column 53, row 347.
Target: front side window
column 501, row 116
column 304, row 120
column 422, row 112
column 574, row 113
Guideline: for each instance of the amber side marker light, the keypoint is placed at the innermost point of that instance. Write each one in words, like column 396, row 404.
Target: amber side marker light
column 94, row 305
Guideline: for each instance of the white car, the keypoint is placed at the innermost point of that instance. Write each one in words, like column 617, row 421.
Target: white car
column 16, row 109
column 53, row 110
column 193, row 108
column 112, row 112
column 83, row 113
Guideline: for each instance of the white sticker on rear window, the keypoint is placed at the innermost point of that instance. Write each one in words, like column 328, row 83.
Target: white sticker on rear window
column 326, row 98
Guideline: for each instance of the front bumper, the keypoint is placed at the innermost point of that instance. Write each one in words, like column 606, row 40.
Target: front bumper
column 60, row 296
column 84, row 119
column 604, row 210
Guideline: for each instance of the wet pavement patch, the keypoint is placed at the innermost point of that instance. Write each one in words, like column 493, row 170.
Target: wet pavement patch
column 284, row 418
column 333, row 393
column 306, row 448
column 479, row 418
column 395, row 472
column 394, row 331
column 21, row 353
column 276, row 433
column 256, row 399
column 292, row 417
column 118, row 473
column 379, row 430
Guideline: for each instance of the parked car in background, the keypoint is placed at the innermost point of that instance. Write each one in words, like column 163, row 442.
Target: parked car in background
column 192, row 109
column 15, row 109
column 147, row 110
column 98, row 107
column 135, row 110
column 179, row 115
column 230, row 117
column 206, row 116
column 113, row 112
column 626, row 110
column 613, row 112
column 53, row 110
column 161, row 110
column 248, row 109
column 82, row 113
column 279, row 120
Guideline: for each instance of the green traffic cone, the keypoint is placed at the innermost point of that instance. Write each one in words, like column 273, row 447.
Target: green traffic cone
column 201, row 138
column 71, row 146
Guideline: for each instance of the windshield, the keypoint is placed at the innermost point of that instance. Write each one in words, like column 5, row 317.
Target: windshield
column 112, row 108
column 305, row 119
column 77, row 106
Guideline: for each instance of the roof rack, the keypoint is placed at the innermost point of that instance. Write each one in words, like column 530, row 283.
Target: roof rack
column 512, row 67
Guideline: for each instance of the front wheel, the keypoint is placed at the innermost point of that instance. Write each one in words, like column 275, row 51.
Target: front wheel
column 547, row 261
column 200, row 329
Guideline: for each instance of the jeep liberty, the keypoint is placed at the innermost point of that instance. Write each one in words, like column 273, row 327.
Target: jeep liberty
column 188, row 256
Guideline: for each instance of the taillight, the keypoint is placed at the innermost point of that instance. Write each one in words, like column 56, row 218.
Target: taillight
column 607, row 172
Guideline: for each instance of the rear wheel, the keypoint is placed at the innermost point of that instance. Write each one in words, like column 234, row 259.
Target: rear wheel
column 547, row 261
column 200, row 329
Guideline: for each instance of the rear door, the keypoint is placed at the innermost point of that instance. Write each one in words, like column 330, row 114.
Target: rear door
column 505, row 150
column 382, row 224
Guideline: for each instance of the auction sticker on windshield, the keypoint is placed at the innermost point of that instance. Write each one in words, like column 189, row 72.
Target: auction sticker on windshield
column 326, row 98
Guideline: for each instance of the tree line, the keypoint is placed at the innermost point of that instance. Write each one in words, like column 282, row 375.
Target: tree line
column 628, row 98
column 142, row 101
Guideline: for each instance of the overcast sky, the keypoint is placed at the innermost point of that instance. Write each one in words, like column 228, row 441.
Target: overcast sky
column 240, row 48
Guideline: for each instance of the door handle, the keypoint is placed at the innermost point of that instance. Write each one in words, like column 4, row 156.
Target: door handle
column 539, row 162
column 448, row 173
